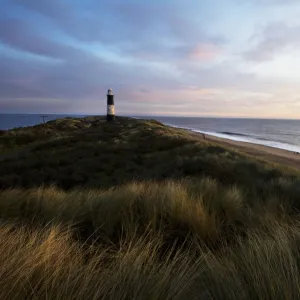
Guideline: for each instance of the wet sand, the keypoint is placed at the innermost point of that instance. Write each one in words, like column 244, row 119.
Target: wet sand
column 270, row 154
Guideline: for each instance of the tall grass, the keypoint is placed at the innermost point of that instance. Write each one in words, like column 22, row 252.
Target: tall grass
column 49, row 264
column 204, row 209
column 188, row 239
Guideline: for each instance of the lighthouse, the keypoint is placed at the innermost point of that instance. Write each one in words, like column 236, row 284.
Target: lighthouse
column 110, row 106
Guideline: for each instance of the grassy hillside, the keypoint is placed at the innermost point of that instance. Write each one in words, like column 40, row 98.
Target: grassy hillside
column 139, row 210
column 89, row 152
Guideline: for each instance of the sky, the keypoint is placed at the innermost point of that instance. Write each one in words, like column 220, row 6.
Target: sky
column 214, row 58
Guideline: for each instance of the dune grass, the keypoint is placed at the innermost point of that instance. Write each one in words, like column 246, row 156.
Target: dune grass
column 94, row 154
column 170, row 240
column 48, row 264
column 207, row 211
column 139, row 210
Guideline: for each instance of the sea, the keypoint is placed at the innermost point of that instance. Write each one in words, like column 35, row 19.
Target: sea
column 282, row 134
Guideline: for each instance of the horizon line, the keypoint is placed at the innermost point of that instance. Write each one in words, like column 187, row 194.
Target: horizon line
column 164, row 116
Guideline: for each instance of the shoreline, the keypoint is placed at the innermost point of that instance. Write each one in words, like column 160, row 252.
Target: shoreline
column 254, row 141
column 243, row 139
column 266, row 153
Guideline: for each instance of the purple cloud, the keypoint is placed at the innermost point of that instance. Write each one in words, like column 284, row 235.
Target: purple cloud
column 269, row 2
column 161, row 29
column 79, row 74
column 19, row 35
column 272, row 39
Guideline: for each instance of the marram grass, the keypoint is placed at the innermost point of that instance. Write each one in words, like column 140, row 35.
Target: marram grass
column 171, row 240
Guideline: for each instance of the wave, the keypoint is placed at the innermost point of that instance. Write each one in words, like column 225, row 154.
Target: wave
column 257, row 141
column 245, row 138
column 233, row 133
column 250, row 136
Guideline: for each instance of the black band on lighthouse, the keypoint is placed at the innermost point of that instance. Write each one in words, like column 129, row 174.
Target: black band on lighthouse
column 110, row 100
column 110, row 106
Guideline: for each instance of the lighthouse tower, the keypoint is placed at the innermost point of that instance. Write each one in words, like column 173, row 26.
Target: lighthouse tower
column 110, row 106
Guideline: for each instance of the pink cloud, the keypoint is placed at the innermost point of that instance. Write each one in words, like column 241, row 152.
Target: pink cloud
column 204, row 52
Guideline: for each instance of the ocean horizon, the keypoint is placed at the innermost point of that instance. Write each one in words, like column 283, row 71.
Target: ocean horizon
column 276, row 133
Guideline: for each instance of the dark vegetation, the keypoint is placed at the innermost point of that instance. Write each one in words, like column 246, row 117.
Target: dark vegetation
column 89, row 152
column 139, row 210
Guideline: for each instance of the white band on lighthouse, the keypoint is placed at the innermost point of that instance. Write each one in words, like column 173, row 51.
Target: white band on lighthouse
column 110, row 109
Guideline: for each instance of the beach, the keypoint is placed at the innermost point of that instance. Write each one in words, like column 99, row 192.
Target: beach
column 270, row 154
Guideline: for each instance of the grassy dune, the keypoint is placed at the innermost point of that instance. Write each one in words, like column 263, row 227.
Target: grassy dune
column 138, row 210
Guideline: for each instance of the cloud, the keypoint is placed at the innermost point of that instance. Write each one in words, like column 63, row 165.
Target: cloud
column 146, row 29
column 83, row 85
column 149, row 53
column 19, row 35
column 273, row 39
column 58, row 11
column 159, row 57
column 269, row 2
column 203, row 52
column 77, row 80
